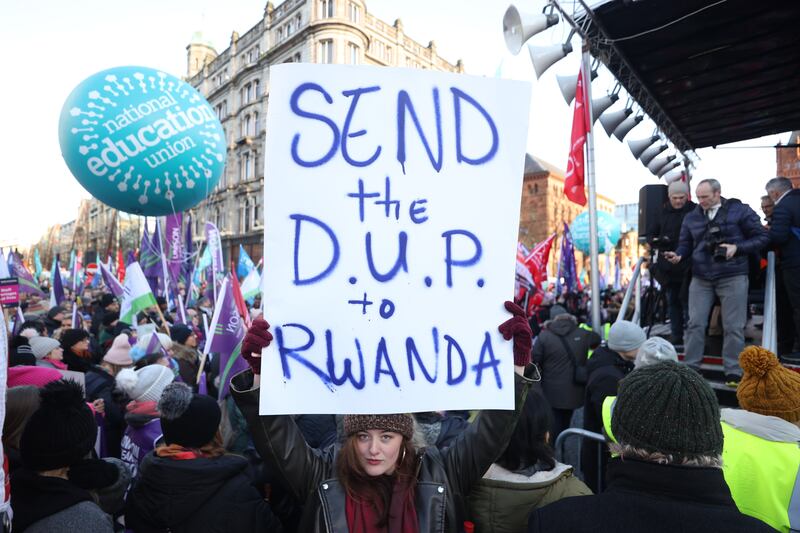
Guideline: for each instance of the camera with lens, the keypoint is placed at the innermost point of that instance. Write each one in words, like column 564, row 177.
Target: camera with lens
column 714, row 240
column 662, row 244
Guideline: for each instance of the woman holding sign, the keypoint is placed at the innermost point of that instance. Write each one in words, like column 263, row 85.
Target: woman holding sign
column 377, row 481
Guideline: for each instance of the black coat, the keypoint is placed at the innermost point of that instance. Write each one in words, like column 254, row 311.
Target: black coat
column 786, row 216
column 606, row 368
column 648, row 497
column 666, row 228
column 197, row 496
column 738, row 225
column 557, row 366
column 100, row 386
column 444, row 478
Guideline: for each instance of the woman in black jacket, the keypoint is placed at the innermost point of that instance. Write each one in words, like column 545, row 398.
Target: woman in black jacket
column 189, row 483
column 377, row 480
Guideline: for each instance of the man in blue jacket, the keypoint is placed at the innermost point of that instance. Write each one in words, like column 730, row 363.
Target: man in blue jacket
column 719, row 234
column 785, row 217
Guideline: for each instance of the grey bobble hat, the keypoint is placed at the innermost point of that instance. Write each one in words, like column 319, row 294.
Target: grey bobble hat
column 41, row 346
column 668, row 408
column 624, row 336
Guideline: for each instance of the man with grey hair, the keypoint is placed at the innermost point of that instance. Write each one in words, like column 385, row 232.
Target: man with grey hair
column 720, row 234
column 783, row 235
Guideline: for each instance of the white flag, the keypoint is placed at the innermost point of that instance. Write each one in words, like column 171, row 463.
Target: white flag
column 137, row 295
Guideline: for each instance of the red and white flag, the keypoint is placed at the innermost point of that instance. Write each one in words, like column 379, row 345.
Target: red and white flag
column 574, row 178
column 537, row 259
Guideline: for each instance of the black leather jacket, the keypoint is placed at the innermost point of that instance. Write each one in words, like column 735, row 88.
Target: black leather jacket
column 444, row 478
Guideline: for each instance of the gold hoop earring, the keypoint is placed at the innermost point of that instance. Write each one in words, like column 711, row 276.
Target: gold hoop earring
column 403, row 458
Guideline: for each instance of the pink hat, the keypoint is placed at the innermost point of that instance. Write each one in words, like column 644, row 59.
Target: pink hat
column 38, row 376
column 120, row 352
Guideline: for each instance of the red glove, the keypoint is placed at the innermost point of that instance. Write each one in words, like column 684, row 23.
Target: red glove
column 258, row 337
column 517, row 327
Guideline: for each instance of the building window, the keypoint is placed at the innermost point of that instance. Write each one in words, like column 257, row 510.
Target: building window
column 247, row 125
column 246, row 218
column 297, row 57
column 298, row 21
column 352, row 53
column 280, row 34
column 247, row 167
column 326, row 51
column 327, row 8
column 255, row 124
column 289, row 28
column 257, row 212
column 355, row 12
column 257, row 89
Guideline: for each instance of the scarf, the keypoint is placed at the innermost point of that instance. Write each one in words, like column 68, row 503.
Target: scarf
column 181, row 453
column 362, row 516
column 149, row 408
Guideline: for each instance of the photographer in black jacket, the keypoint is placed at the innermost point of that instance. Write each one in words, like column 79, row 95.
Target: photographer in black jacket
column 662, row 236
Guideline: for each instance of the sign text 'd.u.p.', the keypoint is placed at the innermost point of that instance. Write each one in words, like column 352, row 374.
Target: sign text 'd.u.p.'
column 391, row 212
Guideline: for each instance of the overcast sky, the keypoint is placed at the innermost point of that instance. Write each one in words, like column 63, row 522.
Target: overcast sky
column 52, row 45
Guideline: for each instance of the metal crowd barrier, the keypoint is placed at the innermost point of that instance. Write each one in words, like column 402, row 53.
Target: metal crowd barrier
column 583, row 434
column 633, row 286
column 769, row 339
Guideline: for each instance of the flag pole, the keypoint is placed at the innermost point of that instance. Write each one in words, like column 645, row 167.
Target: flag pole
column 590, row 183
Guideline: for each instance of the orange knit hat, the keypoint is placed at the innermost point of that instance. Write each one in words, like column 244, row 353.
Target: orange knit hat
column 767, row 387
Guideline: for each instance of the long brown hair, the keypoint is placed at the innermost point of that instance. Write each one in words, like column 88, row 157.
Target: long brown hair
column 375, row 490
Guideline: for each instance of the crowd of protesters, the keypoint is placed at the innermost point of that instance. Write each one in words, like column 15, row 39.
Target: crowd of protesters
column 112, row 426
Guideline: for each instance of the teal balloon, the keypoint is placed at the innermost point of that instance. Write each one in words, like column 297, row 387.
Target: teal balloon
column 142, row 141
column 608, row 232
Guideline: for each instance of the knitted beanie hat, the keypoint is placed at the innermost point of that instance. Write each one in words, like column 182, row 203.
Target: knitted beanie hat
column 61, row 432
column 41, row 346
column 668, row 408
column 403, row 424
column 767, row 387
column 624, row 336
column 187, row 419
column 146, row 384
column 71, row 337
column 120, row 351
column 180, row 332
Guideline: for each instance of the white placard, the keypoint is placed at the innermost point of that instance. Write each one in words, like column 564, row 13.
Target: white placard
column 391, row 201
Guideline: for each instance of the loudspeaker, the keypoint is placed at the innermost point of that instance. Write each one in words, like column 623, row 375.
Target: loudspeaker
column 651, row 201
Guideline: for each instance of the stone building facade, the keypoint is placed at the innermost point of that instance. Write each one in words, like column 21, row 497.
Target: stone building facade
column 788, row 159
column 544, row 208
column 236, row 84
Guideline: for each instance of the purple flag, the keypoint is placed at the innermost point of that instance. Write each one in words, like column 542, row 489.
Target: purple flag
column 188, row 263
column 154, row 345
column 150, row 258
column 567, row 268
column 130, row 258
column 58, row 285
column 225, row 337
column 18, row 269
column 110, row 280
column 175, row 252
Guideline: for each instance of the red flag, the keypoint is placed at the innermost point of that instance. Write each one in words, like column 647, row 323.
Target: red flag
column 238, row 298
column 120, row 266
column 537, row 259
column 573, row 180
